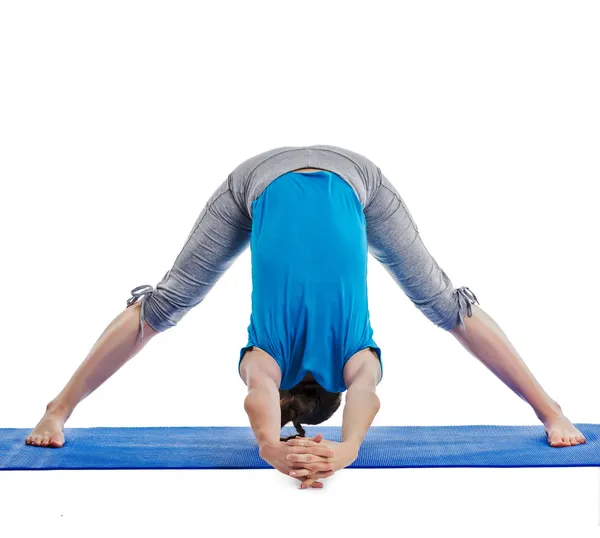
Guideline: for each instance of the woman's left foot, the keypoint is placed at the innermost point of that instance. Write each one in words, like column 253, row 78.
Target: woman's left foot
column 561, row 431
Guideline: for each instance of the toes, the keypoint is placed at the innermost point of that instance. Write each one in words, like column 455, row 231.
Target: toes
column 57, row 440
column 576, row 439
column 555, row 440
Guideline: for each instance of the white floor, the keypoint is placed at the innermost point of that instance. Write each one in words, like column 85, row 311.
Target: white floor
column 266, row 503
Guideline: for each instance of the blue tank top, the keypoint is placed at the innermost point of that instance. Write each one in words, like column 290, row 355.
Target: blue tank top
column 309, row 277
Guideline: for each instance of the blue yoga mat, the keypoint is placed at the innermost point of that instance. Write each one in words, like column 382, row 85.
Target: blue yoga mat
column 236, row 448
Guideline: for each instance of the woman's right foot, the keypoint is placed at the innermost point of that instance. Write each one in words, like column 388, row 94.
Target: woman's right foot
column 49, row 431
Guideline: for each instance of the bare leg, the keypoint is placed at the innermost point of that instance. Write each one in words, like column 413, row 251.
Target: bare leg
column 116, row 345
column 485, row 340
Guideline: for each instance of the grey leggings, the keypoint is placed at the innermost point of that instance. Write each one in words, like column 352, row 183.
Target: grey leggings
column 222, row 232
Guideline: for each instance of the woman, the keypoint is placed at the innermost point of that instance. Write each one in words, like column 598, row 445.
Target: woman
column 310, row 214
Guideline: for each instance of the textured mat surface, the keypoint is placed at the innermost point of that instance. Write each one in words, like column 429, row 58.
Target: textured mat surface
column 236, row 448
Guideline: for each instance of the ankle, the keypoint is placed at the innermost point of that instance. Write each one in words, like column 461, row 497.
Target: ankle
column 56, row 407
column 551, row 412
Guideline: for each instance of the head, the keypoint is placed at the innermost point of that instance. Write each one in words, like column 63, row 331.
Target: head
column 307, row 403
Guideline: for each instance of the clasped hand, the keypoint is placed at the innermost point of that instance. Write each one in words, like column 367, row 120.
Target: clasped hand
column 309, row 459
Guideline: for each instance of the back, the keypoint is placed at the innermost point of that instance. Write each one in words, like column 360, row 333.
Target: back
column 309, row 277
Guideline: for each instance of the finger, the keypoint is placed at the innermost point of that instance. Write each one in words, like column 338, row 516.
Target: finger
column 315, row 450
column 301, row 472
column 310, row 472
column 325, row 466
column 306, row 458
column 321, row 475
column 315, row 485
column 302, row 442
column 312, row 481
column 313, row 467
column 307, row 483
column 325, row 451
column 317, row 438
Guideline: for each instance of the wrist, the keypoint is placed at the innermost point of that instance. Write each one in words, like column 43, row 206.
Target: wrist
column 352, row 446
column 264, row 445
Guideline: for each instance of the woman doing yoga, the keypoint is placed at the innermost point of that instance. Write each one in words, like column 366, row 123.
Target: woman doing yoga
column 310, row 214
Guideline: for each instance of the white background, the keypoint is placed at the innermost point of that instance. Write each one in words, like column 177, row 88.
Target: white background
column 119, row 119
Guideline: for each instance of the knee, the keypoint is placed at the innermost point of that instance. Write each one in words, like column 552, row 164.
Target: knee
column 136, row 309
column 157, row 310
column 458, row 307
column 149, row 331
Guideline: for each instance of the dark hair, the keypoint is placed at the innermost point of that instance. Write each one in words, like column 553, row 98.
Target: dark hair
column 307, row 403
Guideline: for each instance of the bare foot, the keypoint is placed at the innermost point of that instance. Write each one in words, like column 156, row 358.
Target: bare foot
column 561, row 431
column 49, row 431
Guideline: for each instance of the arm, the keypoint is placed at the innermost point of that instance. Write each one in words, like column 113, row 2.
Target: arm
column 362, row 404
column 263, row 408
column 361, row 376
